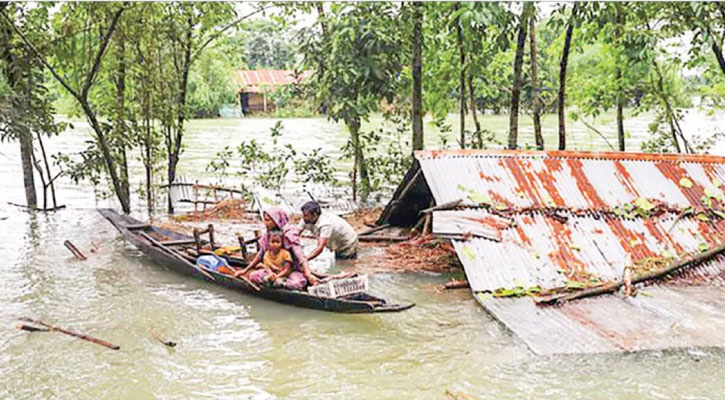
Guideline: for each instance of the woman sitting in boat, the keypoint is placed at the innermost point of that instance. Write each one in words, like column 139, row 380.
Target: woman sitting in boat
column 277, row 263
column 277, row 219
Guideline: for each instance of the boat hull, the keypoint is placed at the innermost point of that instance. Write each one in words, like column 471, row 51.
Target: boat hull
column 363, row 303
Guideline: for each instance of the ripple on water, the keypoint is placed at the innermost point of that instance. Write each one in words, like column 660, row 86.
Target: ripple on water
column 236, row 346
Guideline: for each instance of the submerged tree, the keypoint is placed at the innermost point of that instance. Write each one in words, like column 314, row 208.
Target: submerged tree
column 518, row 63
column 362, row 55
column 535, row 97
column 417, row 75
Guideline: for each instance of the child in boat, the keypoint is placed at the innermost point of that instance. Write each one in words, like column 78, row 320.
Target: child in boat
column 277, row 263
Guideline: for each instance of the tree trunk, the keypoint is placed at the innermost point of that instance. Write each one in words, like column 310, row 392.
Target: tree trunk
column 353, row 124
column 562, row 86
column 181, row 111
column 462, row 80
column 123, row 197
column 516, row 89
column 718, row 54
column 147, row 155
column 472, row 99
column 51, row 178
column 26, row 158
column 120, row 129
column 417, row 74
column 535, row 97
column 620, row 95
column 620, row 116
column 148, row 159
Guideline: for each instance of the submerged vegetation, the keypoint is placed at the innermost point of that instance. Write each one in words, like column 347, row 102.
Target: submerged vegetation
column 137, row 72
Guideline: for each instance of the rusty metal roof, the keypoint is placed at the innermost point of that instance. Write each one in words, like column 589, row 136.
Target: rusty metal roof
column 545, row 219
column 561, row 205
column 662, row 318
column 264, row 80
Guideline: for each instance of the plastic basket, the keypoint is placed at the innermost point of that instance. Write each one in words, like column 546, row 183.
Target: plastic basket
column 340, row 287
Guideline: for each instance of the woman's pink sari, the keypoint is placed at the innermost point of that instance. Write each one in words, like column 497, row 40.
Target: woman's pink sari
column 290, row 241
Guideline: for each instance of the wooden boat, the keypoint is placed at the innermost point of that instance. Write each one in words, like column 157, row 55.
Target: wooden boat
column 167, row 253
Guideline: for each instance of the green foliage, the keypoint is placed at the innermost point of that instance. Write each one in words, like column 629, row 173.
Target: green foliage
column 271, row 168
column 356, row 52
column 361, row 57
column 25, row 106
column 488, row 31
column 263, row 44
column 210, row 83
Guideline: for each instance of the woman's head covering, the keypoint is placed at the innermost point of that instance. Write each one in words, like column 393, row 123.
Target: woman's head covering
column 290, row 233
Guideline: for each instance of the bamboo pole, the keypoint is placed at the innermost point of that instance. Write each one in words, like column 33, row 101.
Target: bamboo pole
column 372, row 230
column 71, row 333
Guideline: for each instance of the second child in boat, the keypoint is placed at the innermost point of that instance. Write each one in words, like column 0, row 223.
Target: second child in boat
column 277, row 263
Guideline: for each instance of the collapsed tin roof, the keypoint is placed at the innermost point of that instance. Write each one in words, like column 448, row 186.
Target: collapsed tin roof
column 558, row 219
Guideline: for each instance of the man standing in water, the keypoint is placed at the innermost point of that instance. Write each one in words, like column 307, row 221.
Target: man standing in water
column 330, row 230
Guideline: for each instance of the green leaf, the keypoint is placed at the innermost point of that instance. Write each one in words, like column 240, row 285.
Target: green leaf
column 533, row 289
column 479, row 198
column 643, row 204
column 703, row 217
column 484, row 296
column 548, row 200
column 575, row 247
column 468, row 253
column 717, row 183
column 668, row 254
column 703, row 247
column 686, row 183
column 501, row 292
column 709, row 192
column 706, row 201
column 574, row 285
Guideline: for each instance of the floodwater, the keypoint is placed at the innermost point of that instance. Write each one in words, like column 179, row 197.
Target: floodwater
column 232, row 346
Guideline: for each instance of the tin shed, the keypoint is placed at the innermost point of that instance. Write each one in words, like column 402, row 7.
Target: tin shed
column 552, row 220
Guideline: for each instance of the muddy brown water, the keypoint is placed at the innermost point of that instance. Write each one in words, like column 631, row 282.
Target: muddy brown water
column 232, row 346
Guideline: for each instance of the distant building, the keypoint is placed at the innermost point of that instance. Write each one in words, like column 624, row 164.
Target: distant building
column 255, row 87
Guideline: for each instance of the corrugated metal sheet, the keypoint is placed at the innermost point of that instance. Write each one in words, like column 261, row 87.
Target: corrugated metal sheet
column 582, row 240
column 261, row 80
column 563, row 229
column 665, row 318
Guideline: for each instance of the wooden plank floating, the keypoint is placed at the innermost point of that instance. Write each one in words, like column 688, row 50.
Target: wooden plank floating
column 67, row 332
column 77, row 253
